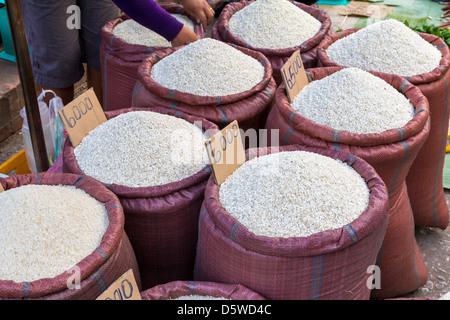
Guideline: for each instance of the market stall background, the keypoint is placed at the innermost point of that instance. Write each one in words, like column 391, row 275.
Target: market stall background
column 434, row 243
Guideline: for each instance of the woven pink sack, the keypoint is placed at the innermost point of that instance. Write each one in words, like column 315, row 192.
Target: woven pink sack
column 112, row 258
column 327, row 265
column 161, row 221
column 277, row 57
column 391, row 153
column 425, row 178
column 176, row 289
column 120, row 60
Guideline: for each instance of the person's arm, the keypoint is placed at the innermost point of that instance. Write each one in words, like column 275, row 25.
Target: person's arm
column 150, row 14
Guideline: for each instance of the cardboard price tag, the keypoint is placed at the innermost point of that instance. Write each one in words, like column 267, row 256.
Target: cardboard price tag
column 1, row 188
column 225, row 151
column 81, row 116
column 294, row 75
column 124, row 288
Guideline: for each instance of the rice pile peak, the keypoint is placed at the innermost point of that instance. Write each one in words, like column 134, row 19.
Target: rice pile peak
column 208, row 67
column 134, row 33
column 294, row 194
column 273, row 24
column 46, row 230
column 142, row 149
column 386, row 46
column 355, row 101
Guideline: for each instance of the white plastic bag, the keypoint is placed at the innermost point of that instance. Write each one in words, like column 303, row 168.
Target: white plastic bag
column 51, row 126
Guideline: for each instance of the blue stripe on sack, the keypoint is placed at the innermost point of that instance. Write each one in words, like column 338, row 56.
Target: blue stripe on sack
column 351, row 160
column 191, row 286
column 316, row 285
column 287, row 136
column 26, row 289
column 154, row 55
column 405, row 145
column 291, row 117
column 224, row 116
column 79, row 180
column 178, row 113
column 337, row 147
column 234, row 230
column 420, row 110
column 333, row 136
column 171, row 94
column 269, row 93
column 404, row 85
column 99, row 280
column 105, row 75
column 102, row 253
column 38, row 178
column 134, row 93
column 174, row 105
column 351, row 232
column 441, row 151
column 401, row 133
column 114, row 206
column 442, row 46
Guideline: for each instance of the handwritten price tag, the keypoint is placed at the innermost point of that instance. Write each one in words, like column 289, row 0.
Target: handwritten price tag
column 124, row 288
column 225, row 151
column 81, row 116
column 294, row 75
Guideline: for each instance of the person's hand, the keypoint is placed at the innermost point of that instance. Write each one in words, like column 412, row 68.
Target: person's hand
column 185, row 36
column 200, row 10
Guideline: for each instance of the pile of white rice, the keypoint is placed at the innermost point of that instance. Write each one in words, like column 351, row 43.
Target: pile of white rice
column 294, row 194
column 134, row 33
column 45, row 230
column 386, row 46
column 273, row 24
column 208, row 67
column 142, row 149
column 354, row 100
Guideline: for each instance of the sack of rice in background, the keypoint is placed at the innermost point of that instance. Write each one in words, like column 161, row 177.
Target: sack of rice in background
column 424, row 60
column 368, row 106
column 199, row 290
column 125, row 43
column 294, row 223
column 276, row 28
column 62, row 238
column 209, row 79
column 155, row 161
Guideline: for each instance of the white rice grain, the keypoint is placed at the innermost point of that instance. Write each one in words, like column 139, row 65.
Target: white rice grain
column 134, row 33
column 208, row 67
column 294, row 194
column 142, row 149
column 354, row 100
column 273, row 24
column 386, row 46
column 46, row 230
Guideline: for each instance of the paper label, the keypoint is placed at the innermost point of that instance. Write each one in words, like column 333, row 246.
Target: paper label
column 226, row 152
column 124, row 288
column 294, row 75
column 81, row 116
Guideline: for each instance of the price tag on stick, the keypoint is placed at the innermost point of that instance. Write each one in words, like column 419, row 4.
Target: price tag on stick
column 81, row 116
column 226, row 152
column 124, row 288
column 294, row 75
